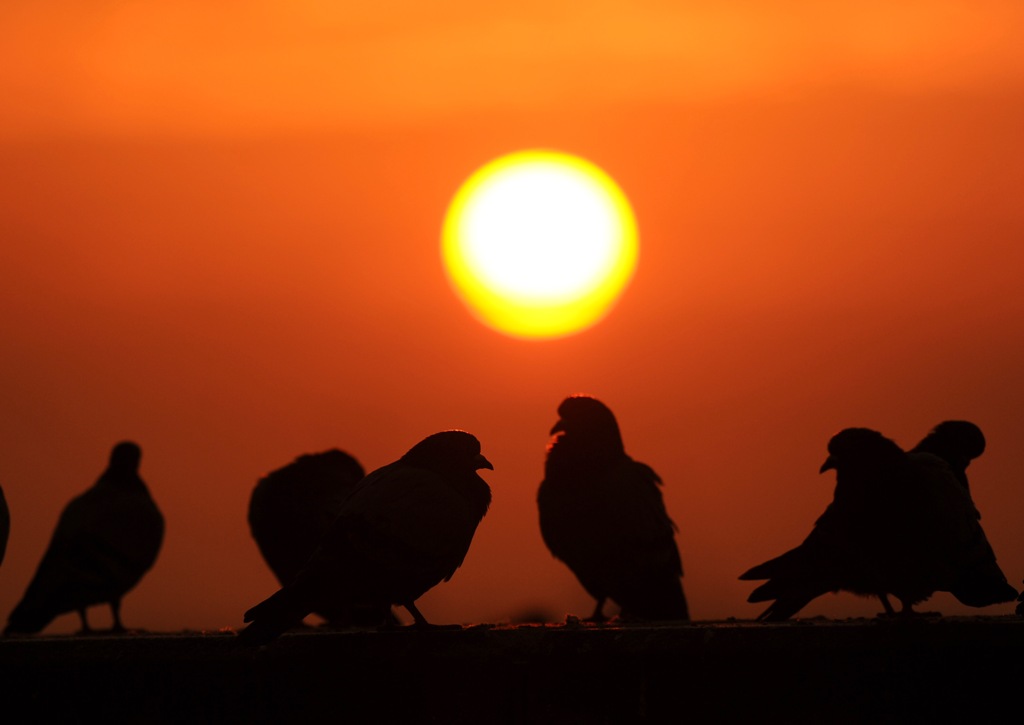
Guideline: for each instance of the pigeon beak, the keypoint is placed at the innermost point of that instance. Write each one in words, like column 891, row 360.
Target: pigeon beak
column 558, row 427
column 828, row 465
column 481, row 462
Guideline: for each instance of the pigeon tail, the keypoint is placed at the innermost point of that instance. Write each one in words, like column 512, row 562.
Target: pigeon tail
column 273, row 617
column 23, row 621
column 975, row 590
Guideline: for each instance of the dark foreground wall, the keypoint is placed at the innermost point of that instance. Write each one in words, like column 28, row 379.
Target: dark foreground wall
column 969, row 669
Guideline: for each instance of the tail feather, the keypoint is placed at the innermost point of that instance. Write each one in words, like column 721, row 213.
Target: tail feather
column 789, row 597
column 782, row 609
column 981, row 591
column 764, row 593
column 28, row 621
column 756, row 573
column 274, row 616
column 982, row 582
column 794, row 560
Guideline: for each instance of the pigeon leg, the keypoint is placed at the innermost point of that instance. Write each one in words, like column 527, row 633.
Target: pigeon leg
column 115, row 609
column 598, row 615
column 884, row 599
column 420, row 622
column 418, row 619
column 86, row 629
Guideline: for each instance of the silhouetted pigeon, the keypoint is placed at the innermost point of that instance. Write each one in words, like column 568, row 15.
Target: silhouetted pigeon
column 982, row 582
column 290, row 511
column 105, row 541
column 899, row 524
column 602, row 514
column 406, row 528
column 957, row 442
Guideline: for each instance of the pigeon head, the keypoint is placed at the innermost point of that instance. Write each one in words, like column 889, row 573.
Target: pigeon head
column 448, row 452
column 859, row 448
column 958, row 441
column 585, row 418
column 125, row 458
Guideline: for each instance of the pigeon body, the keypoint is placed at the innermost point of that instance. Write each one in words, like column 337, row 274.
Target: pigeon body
column 981, row 582
column 292, row 508
column 840, row 553
column 603, row 515
column 406, row 528
column 105, row 540
column 899, row 524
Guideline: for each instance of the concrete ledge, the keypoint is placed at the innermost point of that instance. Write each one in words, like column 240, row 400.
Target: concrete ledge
column 968, row 669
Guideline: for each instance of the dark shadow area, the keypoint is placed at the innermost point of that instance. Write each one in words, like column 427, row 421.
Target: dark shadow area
column 962, row 669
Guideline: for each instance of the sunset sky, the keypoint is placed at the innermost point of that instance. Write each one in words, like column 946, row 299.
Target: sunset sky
column 220, row 238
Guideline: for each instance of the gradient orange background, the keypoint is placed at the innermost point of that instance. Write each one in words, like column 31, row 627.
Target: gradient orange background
column 220, row 238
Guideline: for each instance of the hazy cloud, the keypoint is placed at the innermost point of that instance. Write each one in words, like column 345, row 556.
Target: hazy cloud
column 232, row 66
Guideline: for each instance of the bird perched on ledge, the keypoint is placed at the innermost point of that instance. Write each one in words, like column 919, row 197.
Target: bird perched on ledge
column 106, row 539
column 899, row 523
column 290, row 511
column 981, row 581
column 406, row 528
column 602, row 513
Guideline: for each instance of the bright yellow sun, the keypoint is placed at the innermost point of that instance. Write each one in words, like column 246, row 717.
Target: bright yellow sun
column 539, row 243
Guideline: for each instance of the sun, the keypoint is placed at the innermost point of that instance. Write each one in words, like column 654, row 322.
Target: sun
column 539, row 244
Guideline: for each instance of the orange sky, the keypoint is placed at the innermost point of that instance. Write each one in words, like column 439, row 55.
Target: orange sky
column 220, row 239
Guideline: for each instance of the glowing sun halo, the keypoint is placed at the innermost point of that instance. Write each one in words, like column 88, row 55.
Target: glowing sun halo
column 539, row 243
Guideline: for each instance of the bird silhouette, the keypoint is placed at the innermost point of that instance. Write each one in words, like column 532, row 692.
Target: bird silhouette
column 290, row 511
column 957, row 442
column 899, row 524
column 5, row 525
column 106, row 539
column 841, row 552
column 602, row 514
column 981, row 581
column 406, row 528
